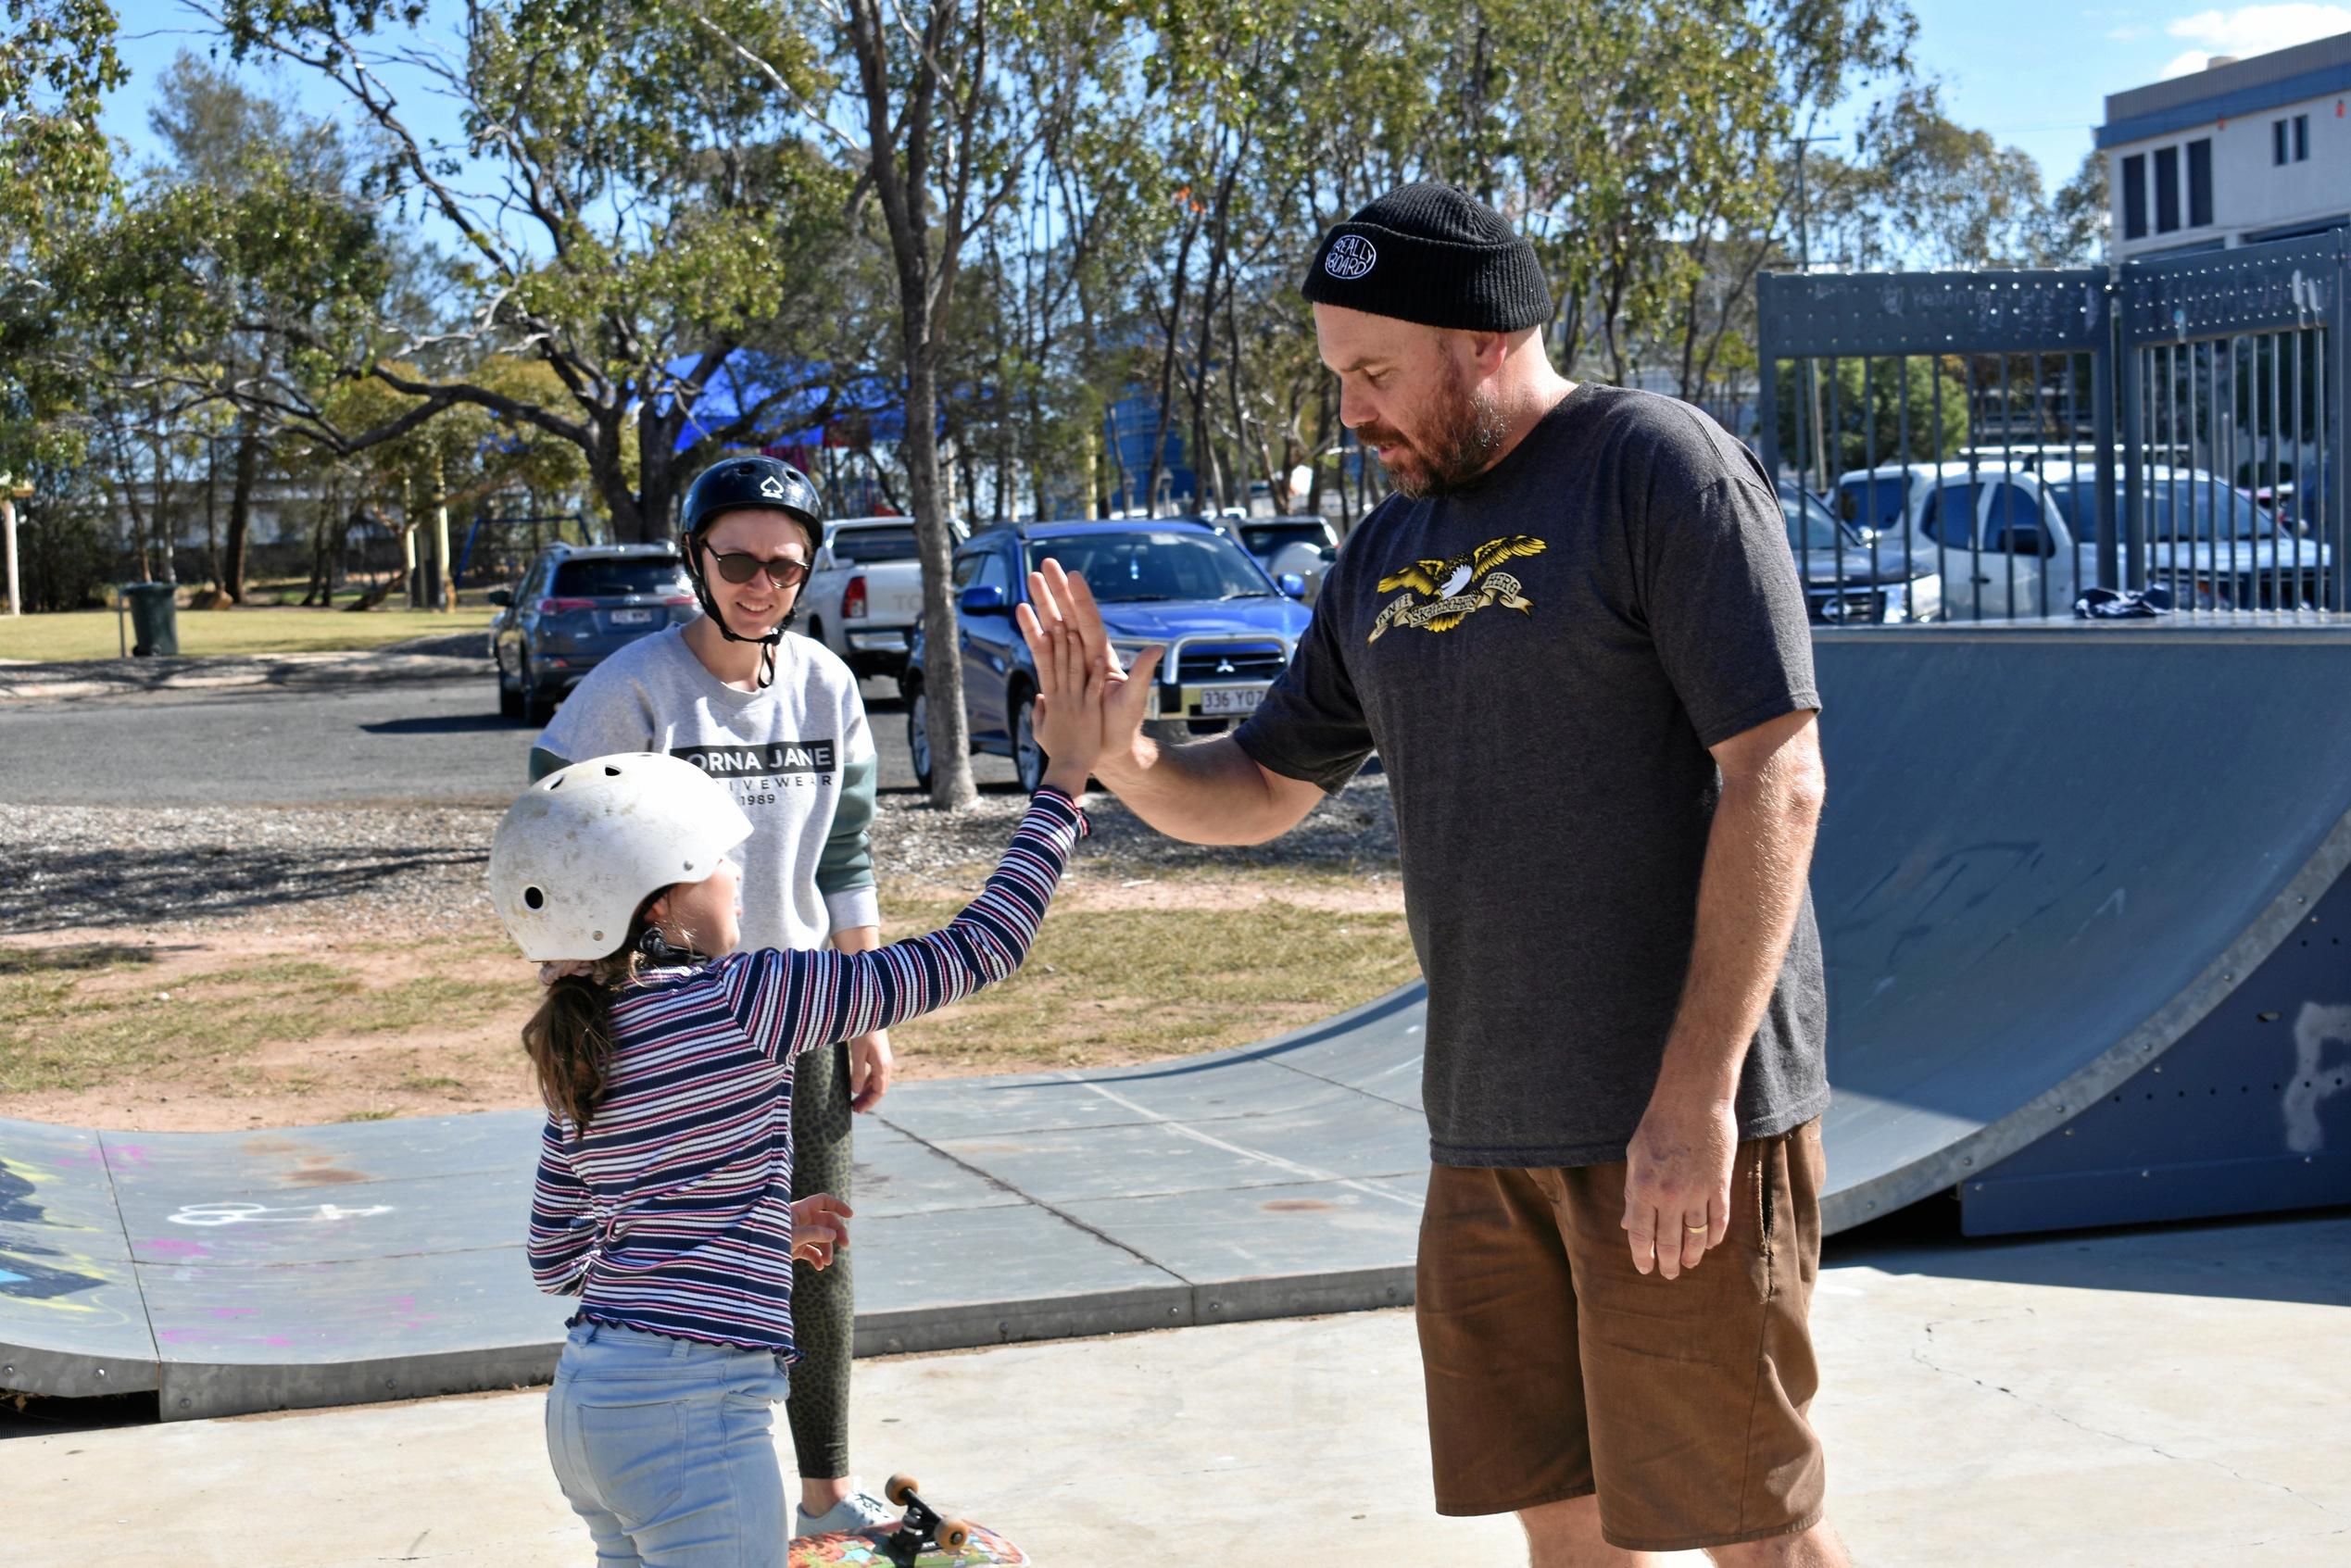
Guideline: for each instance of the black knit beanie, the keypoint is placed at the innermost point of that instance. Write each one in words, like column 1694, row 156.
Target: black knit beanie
column 1435, row 255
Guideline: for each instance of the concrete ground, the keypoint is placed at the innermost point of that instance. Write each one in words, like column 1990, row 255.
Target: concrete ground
column 2175, row 1397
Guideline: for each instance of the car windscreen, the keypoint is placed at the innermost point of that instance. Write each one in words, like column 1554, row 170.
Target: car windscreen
column 1129, row 567
column 2187, row 508
column 1809, row 525
column 1264, row 538
column 1872, row 501
column 861, row 547
column 615, row 577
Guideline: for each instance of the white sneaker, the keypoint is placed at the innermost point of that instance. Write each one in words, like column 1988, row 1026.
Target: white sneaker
column 855, row 1511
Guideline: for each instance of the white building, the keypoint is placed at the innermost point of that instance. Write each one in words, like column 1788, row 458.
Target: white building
column 2244, row 151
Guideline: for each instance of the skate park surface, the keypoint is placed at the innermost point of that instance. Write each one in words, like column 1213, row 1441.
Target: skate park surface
column 2055, row 860
column 2168, row 1397
column 2049, row 857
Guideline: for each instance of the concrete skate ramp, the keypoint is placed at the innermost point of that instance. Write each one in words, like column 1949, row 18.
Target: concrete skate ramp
column 2048, row 853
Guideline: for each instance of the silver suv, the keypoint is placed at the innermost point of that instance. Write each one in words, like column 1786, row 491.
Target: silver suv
column 577, row 606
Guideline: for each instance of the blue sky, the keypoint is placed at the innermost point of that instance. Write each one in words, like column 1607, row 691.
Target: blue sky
column 2033, row 73
column 2036, row 74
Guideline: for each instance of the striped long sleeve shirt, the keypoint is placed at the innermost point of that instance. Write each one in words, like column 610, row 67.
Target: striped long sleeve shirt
column 673, row 1214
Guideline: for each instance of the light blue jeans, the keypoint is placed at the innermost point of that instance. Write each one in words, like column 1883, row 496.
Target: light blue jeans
column 667, row 1448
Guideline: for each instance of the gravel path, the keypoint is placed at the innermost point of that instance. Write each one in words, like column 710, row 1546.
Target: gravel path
column 414, row 868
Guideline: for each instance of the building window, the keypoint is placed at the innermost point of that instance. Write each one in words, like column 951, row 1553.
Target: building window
column 2302, row 138
column 2166, row 189
column 2200, row 183
column 2280, row 142
column 2134, row 197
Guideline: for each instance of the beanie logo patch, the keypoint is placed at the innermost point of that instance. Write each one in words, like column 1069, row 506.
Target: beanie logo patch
column 1350, row 256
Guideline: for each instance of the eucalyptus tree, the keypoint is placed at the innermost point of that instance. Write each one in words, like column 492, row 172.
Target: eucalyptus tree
column 631, row 207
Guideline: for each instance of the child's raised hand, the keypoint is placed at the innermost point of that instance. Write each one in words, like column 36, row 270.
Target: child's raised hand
column 1069, row 705
column 819, row 1227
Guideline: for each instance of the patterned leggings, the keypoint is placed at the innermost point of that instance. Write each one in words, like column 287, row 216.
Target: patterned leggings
column 823, row 1302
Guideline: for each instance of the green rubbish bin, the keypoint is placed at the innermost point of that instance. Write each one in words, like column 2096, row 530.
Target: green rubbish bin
column 154, row 618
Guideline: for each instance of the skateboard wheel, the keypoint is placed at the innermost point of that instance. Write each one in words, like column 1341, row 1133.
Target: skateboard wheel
column 899, row 1489
column 954, row 1534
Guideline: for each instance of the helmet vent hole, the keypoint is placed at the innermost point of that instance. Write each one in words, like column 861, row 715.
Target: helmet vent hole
column 555, row 783
column 533, row 899
column 611, row 772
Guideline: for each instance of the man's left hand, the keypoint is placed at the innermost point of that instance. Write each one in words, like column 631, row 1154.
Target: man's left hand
column 871, row 1069
column 1677, row 1184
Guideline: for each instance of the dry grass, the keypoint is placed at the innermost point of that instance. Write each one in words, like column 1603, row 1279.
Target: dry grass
column 256, row 1023
column 80, row 1017
column 91, row 634
column 1107, row 985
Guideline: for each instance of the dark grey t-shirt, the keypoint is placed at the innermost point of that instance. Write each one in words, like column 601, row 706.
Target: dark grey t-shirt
column 1541, row 663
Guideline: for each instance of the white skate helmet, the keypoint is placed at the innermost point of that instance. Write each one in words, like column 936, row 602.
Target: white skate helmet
column 581, row 850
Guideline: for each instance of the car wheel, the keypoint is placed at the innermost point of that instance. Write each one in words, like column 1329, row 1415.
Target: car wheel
column 530, row 704
column 1028, row 758
column 510, row 698
column 918, row 734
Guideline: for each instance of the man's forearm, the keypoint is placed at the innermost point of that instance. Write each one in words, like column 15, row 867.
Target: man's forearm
column 1210, row 792
column 1757, row 857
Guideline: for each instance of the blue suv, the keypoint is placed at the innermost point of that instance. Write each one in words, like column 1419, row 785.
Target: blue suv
column 1227, row 627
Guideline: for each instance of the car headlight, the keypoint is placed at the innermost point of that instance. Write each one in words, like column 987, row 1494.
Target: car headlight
column 1129, row 652
column 1919, row 599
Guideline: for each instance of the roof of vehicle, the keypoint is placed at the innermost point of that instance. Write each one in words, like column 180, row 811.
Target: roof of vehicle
column 602, row 552
column 1959, row 468
column 1071, row 527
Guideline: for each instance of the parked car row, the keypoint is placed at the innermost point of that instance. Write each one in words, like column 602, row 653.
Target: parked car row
column 2020, row 539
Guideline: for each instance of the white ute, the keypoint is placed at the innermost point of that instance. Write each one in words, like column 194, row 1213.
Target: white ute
column 864, row 599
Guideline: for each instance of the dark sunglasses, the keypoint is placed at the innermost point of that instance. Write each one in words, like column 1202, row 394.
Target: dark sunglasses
column 741, row 567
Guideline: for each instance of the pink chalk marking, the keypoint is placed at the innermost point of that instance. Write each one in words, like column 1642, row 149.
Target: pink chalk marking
column 170, row 1248
column 178, row 1335
column 232, row 1312
column 277, row 1339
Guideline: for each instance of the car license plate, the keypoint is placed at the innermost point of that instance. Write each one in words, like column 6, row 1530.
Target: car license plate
column 1215, row 701
column 632, row 617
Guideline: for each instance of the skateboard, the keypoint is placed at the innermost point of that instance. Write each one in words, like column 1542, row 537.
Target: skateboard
column 925, row 1538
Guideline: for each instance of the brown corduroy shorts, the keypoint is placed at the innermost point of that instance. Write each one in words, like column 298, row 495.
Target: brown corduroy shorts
column 1555, row 1371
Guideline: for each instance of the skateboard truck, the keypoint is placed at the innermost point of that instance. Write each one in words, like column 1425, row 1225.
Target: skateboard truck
column 923, row 1526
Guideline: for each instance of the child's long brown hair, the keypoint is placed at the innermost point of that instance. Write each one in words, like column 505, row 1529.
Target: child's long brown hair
column 570, row 1038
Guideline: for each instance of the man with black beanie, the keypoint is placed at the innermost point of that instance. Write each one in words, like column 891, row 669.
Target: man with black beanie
column 1577, row 639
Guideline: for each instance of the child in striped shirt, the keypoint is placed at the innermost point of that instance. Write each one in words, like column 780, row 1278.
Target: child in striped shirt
column 664, row 1198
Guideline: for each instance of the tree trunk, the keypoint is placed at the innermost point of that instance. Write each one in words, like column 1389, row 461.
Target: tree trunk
column 211, row 509
column 1167, row 374
column 948, row 728
column 241, row 509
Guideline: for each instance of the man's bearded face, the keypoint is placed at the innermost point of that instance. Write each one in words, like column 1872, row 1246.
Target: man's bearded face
column 1448, row 441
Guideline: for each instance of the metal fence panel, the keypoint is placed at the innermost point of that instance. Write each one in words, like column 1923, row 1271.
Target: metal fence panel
column 2009, row 440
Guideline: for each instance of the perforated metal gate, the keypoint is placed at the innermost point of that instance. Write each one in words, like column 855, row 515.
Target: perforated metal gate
column 1996, row 445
